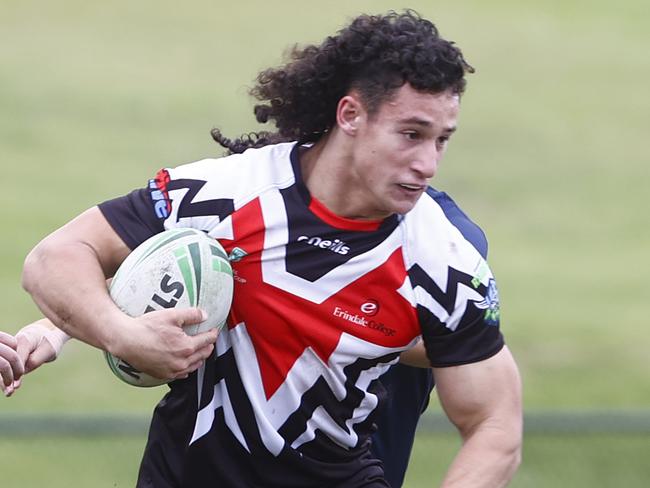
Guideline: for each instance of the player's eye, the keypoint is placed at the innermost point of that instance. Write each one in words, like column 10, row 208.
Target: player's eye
column 442, row 141
column 411, row 135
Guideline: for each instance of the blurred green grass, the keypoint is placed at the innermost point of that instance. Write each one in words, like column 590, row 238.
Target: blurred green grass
column 582, row 461
column 551, row 159
column 604, row 461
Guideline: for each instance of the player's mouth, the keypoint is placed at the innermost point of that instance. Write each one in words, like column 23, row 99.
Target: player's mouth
column 411, row 188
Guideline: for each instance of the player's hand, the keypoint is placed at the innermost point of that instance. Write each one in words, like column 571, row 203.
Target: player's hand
column 156, row 343
column 39, row 343
column 11, row 366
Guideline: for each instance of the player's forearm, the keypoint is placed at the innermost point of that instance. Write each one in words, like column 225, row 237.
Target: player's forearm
column 68, row 285
column 489, row 457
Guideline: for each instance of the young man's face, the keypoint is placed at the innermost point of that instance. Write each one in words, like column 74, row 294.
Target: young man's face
column 397, row 149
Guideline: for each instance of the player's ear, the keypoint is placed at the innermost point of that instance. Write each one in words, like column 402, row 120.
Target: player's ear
column 350, row 113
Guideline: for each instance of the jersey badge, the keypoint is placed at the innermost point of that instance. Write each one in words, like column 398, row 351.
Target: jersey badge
column 159, row 194
column 237, row 254
column 491, row 304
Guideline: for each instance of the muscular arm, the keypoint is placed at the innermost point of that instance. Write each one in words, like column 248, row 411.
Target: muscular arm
column 66, row 276
column 483, row 400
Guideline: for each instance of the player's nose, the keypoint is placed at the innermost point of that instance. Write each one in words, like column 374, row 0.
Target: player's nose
column 426, row 165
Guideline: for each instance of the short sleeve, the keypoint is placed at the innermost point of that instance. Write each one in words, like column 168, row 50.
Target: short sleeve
column 456, row 294
column 180, row 197
column 132, row 218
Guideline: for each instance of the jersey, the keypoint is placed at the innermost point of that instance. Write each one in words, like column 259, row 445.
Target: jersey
column 322, row 307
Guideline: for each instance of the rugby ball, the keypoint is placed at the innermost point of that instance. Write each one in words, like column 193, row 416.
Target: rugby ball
column 176, row 268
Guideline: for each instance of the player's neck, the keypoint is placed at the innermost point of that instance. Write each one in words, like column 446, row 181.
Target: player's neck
column 326, row 173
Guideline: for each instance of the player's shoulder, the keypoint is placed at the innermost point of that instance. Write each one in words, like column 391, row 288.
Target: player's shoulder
column 437, row 217
column 240, row 175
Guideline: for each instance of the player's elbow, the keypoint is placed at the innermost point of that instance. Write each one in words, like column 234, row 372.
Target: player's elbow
column 32, row 266
column 48, row 258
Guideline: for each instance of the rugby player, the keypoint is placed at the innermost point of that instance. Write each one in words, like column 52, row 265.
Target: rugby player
column 345, row 260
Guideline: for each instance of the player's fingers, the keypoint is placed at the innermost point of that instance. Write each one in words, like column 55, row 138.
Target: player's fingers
column 205, row 352
column 196, row 360
column 11, row 389
column 6, row 372
column 8, row 340
column 189, row 370
column 204, row 339
column 25, row 346
column 11, row 367
column 200, row 355
column 189, row 316
column 179, row 317
column 44, row 353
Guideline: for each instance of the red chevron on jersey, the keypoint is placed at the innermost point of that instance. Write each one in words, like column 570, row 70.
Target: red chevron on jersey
column 282, row 324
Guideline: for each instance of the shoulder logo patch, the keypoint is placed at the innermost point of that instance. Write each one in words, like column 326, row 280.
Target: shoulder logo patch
column 491, row 304
column 160, row 195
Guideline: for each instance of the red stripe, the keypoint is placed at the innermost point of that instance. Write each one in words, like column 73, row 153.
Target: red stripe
column 329, row 217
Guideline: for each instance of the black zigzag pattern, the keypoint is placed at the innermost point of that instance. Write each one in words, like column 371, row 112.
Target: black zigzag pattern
column 222, row 207
column 446, row 298
column 321, row 395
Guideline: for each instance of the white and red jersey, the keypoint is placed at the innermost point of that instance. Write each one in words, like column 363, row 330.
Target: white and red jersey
column 323, row 305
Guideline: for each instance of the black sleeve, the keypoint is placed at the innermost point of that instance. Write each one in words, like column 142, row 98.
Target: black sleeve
column 468, row 344
column 476, row 336
column 133, row 217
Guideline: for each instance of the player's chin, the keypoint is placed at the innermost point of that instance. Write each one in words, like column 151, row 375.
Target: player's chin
column 404, row 202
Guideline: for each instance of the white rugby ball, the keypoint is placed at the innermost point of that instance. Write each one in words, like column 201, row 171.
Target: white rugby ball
column 176, row 268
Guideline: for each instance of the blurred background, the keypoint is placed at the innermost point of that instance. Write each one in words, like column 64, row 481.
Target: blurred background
column 551, row 159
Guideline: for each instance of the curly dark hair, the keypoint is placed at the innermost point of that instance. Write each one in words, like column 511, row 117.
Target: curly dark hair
column 374, row 55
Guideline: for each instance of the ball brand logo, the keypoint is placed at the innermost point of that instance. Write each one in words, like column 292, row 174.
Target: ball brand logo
column 128, row 369
column 167, row 287
column 337, row 245
column 371, row 307
column 159, row 194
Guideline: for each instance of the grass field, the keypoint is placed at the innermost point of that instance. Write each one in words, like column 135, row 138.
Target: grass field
column 551, row 159
column 577, row 462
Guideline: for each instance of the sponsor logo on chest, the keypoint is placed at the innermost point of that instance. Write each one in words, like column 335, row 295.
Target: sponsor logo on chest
column 367, row 309
column 337, row 246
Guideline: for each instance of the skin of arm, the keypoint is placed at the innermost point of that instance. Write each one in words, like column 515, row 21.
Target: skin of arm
column 66, row 275
column 416, row 357
column 483, row 400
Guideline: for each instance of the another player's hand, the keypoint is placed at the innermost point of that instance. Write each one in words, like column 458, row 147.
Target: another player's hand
column 11, row 366
column 156, row 343
column 38, row 343
column 35, row 344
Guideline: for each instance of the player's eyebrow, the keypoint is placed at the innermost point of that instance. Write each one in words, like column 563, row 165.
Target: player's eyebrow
column 424, row 123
